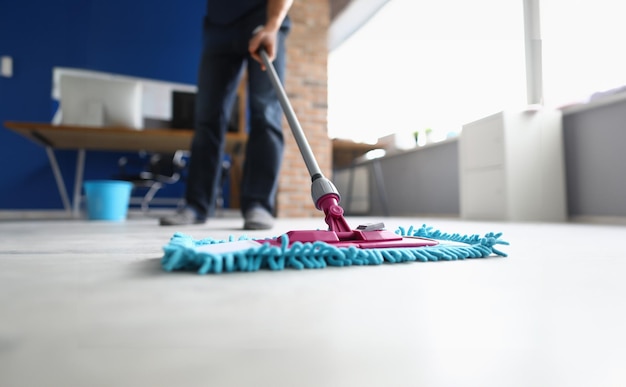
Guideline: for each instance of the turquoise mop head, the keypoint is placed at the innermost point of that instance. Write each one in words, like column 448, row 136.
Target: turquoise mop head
column 183, row 253
column 338, row 246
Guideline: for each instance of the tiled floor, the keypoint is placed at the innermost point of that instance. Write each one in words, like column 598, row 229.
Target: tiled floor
column 86, row 304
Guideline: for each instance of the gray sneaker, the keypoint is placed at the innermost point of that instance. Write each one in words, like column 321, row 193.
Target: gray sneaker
column 258, row 218
column 182, row 217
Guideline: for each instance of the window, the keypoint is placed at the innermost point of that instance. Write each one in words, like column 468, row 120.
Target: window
column 427, row 65
column 582, row 49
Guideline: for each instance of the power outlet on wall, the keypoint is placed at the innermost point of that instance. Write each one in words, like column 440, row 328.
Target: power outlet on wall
column 6, row 66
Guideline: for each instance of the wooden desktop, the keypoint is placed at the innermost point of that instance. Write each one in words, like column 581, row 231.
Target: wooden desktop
column 83, row 138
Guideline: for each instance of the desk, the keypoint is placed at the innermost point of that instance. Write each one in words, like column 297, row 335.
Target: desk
column 346, row 151
column 107, row 139
column 345, row 154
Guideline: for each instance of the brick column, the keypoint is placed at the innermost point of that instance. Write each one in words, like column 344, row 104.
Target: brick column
column 306, row 87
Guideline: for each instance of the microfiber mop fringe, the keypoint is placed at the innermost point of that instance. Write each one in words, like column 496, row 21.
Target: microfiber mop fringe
column 181, row 253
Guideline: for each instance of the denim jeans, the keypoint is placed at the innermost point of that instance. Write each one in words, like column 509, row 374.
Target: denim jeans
column 224, row 58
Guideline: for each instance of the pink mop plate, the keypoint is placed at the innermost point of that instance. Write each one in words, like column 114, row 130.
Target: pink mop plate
column 341, row 235
column 379, row 239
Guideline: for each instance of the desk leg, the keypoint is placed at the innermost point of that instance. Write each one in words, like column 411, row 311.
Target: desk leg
column 380, row 185
column 348, row 200
column 59, row 178
column 78, row 182
column 349, row 193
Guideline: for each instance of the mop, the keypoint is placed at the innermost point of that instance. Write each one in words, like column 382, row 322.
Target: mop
column 339, row 245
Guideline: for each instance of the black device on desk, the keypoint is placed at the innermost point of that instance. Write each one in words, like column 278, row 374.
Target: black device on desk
column 184, row 110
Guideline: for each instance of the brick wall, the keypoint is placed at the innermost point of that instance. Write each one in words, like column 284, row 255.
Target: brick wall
column 306, row 87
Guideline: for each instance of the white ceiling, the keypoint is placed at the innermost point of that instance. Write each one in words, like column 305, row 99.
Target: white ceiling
column 350, row 19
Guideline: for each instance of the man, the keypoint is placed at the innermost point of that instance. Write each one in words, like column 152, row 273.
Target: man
column 234, row 30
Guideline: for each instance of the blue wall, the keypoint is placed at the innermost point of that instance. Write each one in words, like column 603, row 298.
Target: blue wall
column 144, row 38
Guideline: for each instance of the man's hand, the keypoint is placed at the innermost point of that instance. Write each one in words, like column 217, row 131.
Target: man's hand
column 266, row 38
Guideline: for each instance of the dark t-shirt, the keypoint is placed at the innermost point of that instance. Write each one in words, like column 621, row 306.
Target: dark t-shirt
column 227, row 12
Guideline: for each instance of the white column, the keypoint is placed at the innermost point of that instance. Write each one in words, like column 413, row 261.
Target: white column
column 532, row 42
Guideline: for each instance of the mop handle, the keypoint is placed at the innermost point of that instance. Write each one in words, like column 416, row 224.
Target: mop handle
column 307, row 154
column 323, row 191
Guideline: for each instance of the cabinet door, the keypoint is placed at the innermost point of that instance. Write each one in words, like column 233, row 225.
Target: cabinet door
column 482, row 143
column 483, row 194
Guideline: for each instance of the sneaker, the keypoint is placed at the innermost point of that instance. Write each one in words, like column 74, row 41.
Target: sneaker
column 258, row 218
column 182, row 217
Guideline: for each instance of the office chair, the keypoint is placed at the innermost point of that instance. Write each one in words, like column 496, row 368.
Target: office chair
column 162, row 169
column 159, row 170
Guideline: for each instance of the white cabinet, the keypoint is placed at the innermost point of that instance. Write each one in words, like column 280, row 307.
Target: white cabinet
column 512, row 167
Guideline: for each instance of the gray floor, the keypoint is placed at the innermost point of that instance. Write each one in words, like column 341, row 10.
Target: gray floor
column 86, row 304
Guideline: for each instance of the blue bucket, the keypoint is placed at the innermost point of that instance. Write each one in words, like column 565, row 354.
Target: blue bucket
column 107, row 199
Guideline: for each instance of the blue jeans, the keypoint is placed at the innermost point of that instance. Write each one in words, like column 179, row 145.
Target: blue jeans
column 224, row 58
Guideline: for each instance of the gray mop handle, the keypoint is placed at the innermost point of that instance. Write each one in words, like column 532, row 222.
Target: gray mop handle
column 296, row 129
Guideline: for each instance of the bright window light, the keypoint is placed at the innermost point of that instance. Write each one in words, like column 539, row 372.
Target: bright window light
column 582, row 49
column 427, row 65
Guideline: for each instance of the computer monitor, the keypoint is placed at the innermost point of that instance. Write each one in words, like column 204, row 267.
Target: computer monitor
column 87, row 101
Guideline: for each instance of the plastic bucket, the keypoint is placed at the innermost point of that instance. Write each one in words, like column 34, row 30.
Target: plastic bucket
column 107, row 199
